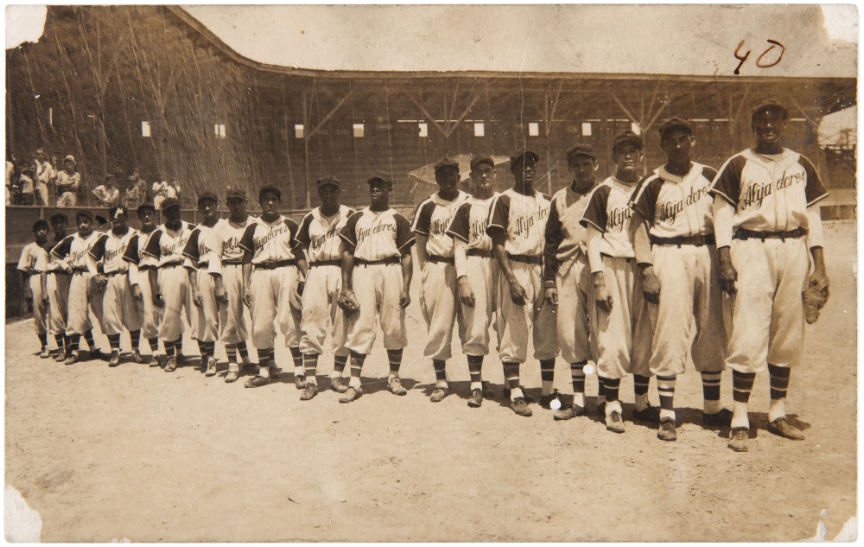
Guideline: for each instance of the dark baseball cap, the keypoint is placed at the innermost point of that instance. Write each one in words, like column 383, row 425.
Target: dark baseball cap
column 770, row 103
column 169, row 202
column 272, row 189
column 523, row 155
column 481, row 158
column 329, row 180
column 445, row 163
column 625, row 138
column 207, row 194
column 235, row 193
column 675, row 123
column 145, row 206
column 379, row 178
column 581, row 149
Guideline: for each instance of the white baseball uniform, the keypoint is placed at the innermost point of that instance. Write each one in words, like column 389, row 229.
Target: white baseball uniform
column 164, row 251
column 34, row 261
column 232, row 320
column 74, row 250
column 138, row 272
column 57, row 285
column 203, row 254
column 119, row 308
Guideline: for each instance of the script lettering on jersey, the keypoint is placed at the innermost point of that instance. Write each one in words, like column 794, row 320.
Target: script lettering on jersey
column 522, row 225
column 316, row 241
column 111, row 254
column 617, row 218
column 261, row 241
column 478, row 228
column 755, row 193
column 439, row 226
column 232, row 243
column 174, row 246
column 363, row 233
column 668, row 210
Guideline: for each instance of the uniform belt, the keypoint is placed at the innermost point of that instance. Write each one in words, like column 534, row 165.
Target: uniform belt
column 326, row 263
column 707, row 239
column 528, row 259
column 79, row 270
column 62, row 272
column 146, row 267
column 742, row 233
column 627, row 258
column 479, row 252
column 388, row 260
column 202, row 264
column 435, row 259
column 170, row 265
column 275, row 264
column 232, row 262
column 115, row 272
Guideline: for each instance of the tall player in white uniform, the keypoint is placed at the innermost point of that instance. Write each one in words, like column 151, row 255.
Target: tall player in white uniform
column 273, row 267
column 477, row 272
column 622, row 335
column 319, row 237
column 376, row 283
column 120, row 311
column 566, row 275
column 169, row 283
column 766, row 218
column 203, row 253
column 517, row 218
column 32, row 265
column 139, row 282
column 674, row 245
column 57, row 285
column 232, row 319
column 435, row 261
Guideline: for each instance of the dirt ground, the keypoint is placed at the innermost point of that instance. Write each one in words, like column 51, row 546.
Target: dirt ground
column 136, row 453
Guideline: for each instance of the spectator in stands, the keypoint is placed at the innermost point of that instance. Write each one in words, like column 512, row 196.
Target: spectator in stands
column 68, row 183
column 10, row 183
column 26, row 184
column 136, row 194
column 164, row 190
column 107, row 194
column 45, row 174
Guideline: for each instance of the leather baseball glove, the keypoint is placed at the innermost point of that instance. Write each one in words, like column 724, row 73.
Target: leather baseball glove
column 814, row 299
column 348, row 302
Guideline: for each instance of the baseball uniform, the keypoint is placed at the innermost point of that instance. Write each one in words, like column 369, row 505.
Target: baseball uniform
column 378, row 240
column 119, row 308
column 83, row 295
column 57, row 285
column 34, row 262
column 232, row 321
column 164, row 251
column 138, row 271
column 203, row 254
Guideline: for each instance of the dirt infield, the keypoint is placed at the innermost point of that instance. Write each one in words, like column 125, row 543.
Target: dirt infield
column 137, row 453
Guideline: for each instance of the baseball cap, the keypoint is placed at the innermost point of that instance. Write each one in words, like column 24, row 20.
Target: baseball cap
column 115, row 212
column 328, row 180
column 379, row 177
column 145, row 206
column 270, row 188
column 445, row 163
column 770, row 103
column 207, row 194
column 169, row 202
column 235, row 193
column 581, row 150
column 520, row 156
column 71, row 158
column 481, row 158
column 675, row 123
column 627, row 137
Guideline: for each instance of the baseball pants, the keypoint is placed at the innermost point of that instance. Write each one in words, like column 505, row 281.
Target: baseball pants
column 377, row 288
column 767, row 309
column 516, row 322
column 321, row 309
column 438, row 305
column 232, row 323
column 120, row 309
column 174, row 284
column 272, row 294
column 57, row 286
column 483, row 276
column 689, row 290
column 574, row 281
column 622, row 336
column 67, row 199
column 207, row 315
column 40, row 308
column 84, row 296
column 152, row 314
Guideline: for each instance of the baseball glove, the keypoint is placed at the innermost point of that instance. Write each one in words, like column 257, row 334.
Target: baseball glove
column 348, row 302
column 814, row 299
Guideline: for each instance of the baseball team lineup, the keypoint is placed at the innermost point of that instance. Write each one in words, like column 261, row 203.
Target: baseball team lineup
column 629, row 275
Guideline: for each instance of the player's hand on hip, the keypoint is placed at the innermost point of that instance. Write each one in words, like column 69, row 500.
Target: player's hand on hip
column 517, row 293
column 404, row 298
column 601, row 293
column 727, row 275
column 136, row 293
column 650, row 285
column 550, row 296
column 466, row 295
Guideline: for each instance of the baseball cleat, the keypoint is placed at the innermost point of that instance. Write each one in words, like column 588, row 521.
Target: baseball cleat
column 546, row 400
column 299, row 381
column 74, row 357
column 566, row 413
column 44, row 354
column 649, row 414
column 170, row 364
column 232, row 376
column 667, row 431
column 520, row 407
column 61, row 356
column 476, row 398
column 114, row 360
column 337, row 384
column 351, row 394
column 738, row 439
column 782, row 427
column 438, row 394
column 181, row 359
column 136, row 356
column 719, row 419
column 614, row 422
column 157, row 360
column 257, row 381
column 309, row 391
column 211, row 367
column 394, row 386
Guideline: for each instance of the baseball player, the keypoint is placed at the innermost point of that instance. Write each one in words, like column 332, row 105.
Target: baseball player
column 73, row 253
column 566, row 275
column 435, row 261
column 57, row 285
column 203, row 254
column 476, row 272
column 622, row 337
column 32, row 265
column 376, row 262
column 319, row 237
column 273, row 269
column 766, row 218
column 232, row 322
column 110, row 271
column 169, row 284
column 139, row 281
column 517, row 218
column 674, row 248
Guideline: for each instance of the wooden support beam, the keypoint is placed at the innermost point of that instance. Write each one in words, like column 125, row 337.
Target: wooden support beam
column 437, row 125
column 624, row 108
column 330, row 114
column 462, row 116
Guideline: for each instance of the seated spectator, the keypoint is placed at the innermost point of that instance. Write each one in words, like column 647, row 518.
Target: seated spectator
column 68, row 183
column 107, row 194
column 136, row 194
column 164, row 190
column 25, row 187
